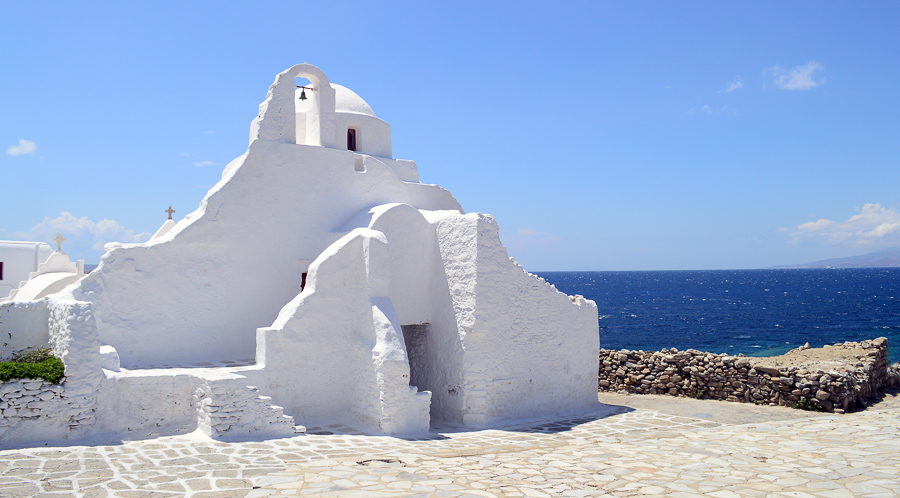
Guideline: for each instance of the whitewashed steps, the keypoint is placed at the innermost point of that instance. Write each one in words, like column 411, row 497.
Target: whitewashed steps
column 228, row 408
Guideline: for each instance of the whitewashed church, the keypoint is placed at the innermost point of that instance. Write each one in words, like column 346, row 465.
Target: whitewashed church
column 318, row 282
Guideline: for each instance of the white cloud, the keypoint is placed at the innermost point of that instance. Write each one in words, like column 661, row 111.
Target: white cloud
column 204, row 163
column 873, row 225
column 209, row 132
column 24, row 147
column 735, row 84
column 706, row 109
column 81, row 230
column 533, row 237
column 797, row 78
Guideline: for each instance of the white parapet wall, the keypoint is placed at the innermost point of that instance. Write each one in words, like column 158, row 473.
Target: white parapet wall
column 530, row 350
column 23, row 326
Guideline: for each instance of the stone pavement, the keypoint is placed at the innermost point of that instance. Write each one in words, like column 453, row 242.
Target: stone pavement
column 654, row 449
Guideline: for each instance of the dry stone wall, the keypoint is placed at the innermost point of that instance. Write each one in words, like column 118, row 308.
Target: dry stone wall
column 229, row 408
column 25, row 401
column 832, row 386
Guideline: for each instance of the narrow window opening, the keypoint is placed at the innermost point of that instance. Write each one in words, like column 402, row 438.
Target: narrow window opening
column 351, row 139
column 302, row 281
column 1, row 270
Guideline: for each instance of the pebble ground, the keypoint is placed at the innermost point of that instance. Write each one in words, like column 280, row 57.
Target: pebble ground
column 615, row 451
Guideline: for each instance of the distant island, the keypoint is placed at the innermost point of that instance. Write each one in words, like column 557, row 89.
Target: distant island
column 885, row 258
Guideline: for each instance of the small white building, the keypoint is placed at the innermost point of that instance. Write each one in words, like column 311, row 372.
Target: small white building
column 51, row 277
column 318, row 282
column 17, row 260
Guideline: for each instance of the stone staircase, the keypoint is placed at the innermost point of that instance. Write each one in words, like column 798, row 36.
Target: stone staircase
column 229, row 408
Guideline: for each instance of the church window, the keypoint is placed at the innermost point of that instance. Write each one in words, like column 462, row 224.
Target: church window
column 1, row 270
column 351, row 139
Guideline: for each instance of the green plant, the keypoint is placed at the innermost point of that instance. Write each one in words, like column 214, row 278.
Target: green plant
column 37, row 355
column 808, row 404
column 51, row 370
column 697, row 393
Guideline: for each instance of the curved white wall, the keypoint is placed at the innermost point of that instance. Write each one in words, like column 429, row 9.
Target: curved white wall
column 373, row 136
column 19, row 259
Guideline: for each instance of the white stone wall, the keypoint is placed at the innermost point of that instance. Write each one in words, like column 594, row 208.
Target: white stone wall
column 498, row 343
column 38, row 411
column 529, row 350
column 146, row 403
column 31, row 409
column 336, row 351
column 23, row 326
column 35, row 412
column 232, row 409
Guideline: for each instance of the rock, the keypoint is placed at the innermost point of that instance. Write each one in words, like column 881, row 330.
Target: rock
column 767, row 369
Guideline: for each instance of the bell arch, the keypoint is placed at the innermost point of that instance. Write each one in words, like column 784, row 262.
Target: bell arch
column 279, row 114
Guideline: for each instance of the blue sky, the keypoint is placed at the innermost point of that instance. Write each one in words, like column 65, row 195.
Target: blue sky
column 600, row 135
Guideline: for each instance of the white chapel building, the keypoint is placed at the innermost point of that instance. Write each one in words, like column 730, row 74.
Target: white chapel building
column 319, row 281
column 17, row 260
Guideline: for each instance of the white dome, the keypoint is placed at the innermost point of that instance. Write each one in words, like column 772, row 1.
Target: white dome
column 346, row 100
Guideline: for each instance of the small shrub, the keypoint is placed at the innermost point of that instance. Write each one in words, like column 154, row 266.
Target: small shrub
column 51, row 370
column 697, row 393
column 37, row 355
column 808, row 404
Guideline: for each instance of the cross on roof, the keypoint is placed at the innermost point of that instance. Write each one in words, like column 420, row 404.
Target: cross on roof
column 59, row 240
column 170, row 211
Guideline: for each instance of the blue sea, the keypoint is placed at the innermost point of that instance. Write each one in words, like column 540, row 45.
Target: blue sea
column 755, row 312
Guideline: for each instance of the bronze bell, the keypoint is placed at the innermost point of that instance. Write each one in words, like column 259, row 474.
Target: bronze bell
column 303, row 94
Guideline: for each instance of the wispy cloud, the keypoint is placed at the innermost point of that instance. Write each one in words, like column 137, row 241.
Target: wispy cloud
column 803, row 77
column 204, row 163
column 81, row 230
column 706, row 109
column 735, row 84
column 710, row 110
column 24, row 147
column 872, row 225
column 534, row 237
column 209, row 132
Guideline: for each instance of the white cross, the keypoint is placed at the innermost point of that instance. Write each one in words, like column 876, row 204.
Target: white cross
column 170, row 211
column 59, row 240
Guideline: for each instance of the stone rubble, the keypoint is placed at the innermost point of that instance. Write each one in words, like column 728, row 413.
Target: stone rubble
column 704, row 375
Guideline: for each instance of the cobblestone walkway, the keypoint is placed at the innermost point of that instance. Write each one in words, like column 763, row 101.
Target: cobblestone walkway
column 615, row 452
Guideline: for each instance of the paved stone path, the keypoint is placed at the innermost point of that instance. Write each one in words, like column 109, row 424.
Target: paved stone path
column 617, row 451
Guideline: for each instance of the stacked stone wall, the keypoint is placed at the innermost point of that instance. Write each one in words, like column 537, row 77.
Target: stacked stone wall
column 228, row 408
column 25, row 401
column 758, row 380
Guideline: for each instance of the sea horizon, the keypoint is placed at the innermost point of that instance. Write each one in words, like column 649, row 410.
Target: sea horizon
column 757, row 312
